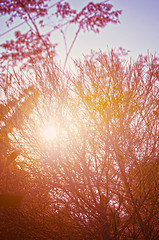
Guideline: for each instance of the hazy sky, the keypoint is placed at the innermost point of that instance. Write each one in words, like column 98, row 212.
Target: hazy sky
column 138, row 31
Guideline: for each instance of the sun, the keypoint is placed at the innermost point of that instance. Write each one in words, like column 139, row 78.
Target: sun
column 49, row 132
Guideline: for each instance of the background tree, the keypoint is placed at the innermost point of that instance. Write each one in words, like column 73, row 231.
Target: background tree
column 35, row 44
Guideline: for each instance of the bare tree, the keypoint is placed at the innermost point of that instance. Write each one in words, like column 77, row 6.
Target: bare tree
column 100, row 170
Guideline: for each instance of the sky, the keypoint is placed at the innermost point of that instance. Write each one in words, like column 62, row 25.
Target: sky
column 138, row 31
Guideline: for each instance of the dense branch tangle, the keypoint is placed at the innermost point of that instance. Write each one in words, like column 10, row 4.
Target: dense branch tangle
column 102, row 165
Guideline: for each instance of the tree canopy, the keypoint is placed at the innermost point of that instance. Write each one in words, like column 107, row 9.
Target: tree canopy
column 100, row 170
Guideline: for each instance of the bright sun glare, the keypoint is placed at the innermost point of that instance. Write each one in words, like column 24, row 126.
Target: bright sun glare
column 49, row 132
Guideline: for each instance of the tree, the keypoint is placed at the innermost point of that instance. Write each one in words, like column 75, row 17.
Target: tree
column 100, row 169
column 35, row 45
